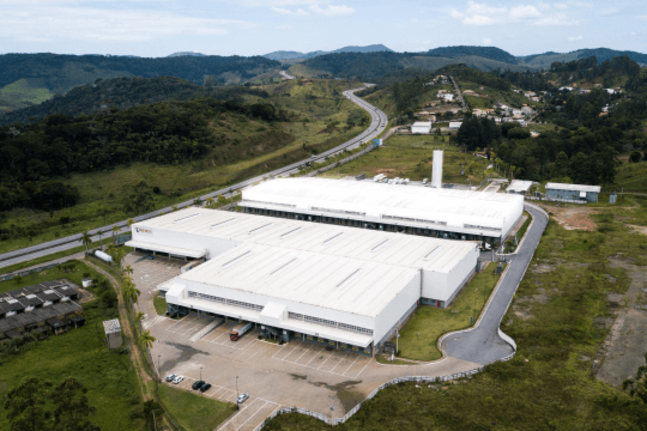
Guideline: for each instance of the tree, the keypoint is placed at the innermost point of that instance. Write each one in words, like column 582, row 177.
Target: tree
column 560, row 169
column 111, row 251
column 128, row 270
column 26, row 406
column 130, row 222
column 86, row 239
column 634, row 157
column 115, row 231
column 210, row 202
column 72, row 407
column 145, row 339
column 130, row 293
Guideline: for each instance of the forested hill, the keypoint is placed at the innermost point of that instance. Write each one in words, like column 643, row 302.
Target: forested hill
column 120, row 93
column 164, row 133
column 373, row 65
column 60, row 73
column 491, row 52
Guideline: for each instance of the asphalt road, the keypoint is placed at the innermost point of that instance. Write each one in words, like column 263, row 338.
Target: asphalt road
column 377, row 126
column 483, row 345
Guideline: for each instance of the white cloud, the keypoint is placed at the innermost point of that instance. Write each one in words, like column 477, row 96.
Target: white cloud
column 285, row 11
column 414, row 19
column 51, row 24
column 486, row 41
column 574, row 38
column 284, row 27
column 481, row 14
column 332, row 10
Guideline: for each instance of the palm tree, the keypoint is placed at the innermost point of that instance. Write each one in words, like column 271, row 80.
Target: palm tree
column 128, row 271
column 86, row 239
column 115, row 231
column 130, row 293
column 130, row 222
column 111, row 251
column 146, row 339
column 210, row 202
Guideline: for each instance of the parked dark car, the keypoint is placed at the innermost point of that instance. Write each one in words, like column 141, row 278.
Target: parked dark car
column 197, row 385
column 205, row 387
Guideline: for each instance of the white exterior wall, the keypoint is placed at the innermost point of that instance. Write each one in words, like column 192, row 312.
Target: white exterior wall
column 437, row 171
column 180, row 296
column 443, row 285
column 214, row 246
column 509, row 222
column 392, row 313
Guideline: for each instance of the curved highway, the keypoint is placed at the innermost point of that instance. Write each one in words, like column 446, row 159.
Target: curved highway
column 377, row 126
column 483, row 344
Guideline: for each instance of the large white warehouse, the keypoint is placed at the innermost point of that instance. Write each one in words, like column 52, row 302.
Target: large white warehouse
column 347, row 287
column 441, row 213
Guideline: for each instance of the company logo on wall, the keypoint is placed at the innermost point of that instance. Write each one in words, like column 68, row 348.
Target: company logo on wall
column 143, row 230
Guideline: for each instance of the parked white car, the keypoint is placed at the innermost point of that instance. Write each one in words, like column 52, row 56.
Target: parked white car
column 178, row 379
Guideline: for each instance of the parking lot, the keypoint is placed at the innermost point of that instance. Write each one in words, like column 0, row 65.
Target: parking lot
column 297, row 374
column 249, row 349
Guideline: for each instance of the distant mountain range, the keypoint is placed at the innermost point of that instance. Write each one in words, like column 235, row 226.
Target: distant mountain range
column 295, row 55
column 187, row 54
column 28, row 79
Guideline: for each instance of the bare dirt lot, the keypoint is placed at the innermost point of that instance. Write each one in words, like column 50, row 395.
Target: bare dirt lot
column 572, row 217
column 624, row 349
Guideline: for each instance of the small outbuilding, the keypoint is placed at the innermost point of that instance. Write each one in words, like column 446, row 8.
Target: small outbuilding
column 520, row 187
column 572, row 192
column 421, row 127
column 112, row 328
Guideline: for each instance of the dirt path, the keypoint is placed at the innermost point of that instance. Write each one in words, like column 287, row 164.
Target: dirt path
column 131, row 340
column 624, row 349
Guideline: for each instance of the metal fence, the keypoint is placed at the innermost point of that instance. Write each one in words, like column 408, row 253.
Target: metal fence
column 23, row 273
column 343, row 419
column 568, row 201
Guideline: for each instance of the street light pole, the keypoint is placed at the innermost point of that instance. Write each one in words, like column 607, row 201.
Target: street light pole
column 237, row 407
column 200, row 373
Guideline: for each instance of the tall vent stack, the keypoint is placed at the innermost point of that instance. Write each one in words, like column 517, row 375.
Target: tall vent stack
column 437, row 170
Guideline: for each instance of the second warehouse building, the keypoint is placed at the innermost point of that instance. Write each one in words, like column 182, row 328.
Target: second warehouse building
column 345, row 287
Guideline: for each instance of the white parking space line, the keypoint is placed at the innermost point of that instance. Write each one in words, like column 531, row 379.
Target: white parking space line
column 349, row 367
column 325, row 360
column 367, row 362
column 340, row 361
column 253, row 414
column 315, row 356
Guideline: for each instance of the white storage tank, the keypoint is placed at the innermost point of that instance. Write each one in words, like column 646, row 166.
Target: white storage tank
column 103, row 256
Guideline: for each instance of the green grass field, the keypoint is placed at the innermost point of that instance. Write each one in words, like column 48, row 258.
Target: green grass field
column 104, row 191
column 479, row 102
column 548, row 385
column 160, row 305
column 411, row 157
column 80, row 353
column 632, row 176
column 194, row 412
column 74, row 276
column 509, row 98
column 20, row 94
column 419, row 337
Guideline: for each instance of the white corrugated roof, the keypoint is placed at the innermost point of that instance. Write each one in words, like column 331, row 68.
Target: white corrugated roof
column 519, row 186
column 355, row 243
column 575, row 187
column 349, row 285
column 441, row 209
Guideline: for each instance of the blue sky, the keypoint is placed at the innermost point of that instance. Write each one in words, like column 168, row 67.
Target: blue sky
column 154, row 28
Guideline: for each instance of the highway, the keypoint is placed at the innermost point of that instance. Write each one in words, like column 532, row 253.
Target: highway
column 377, row 126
